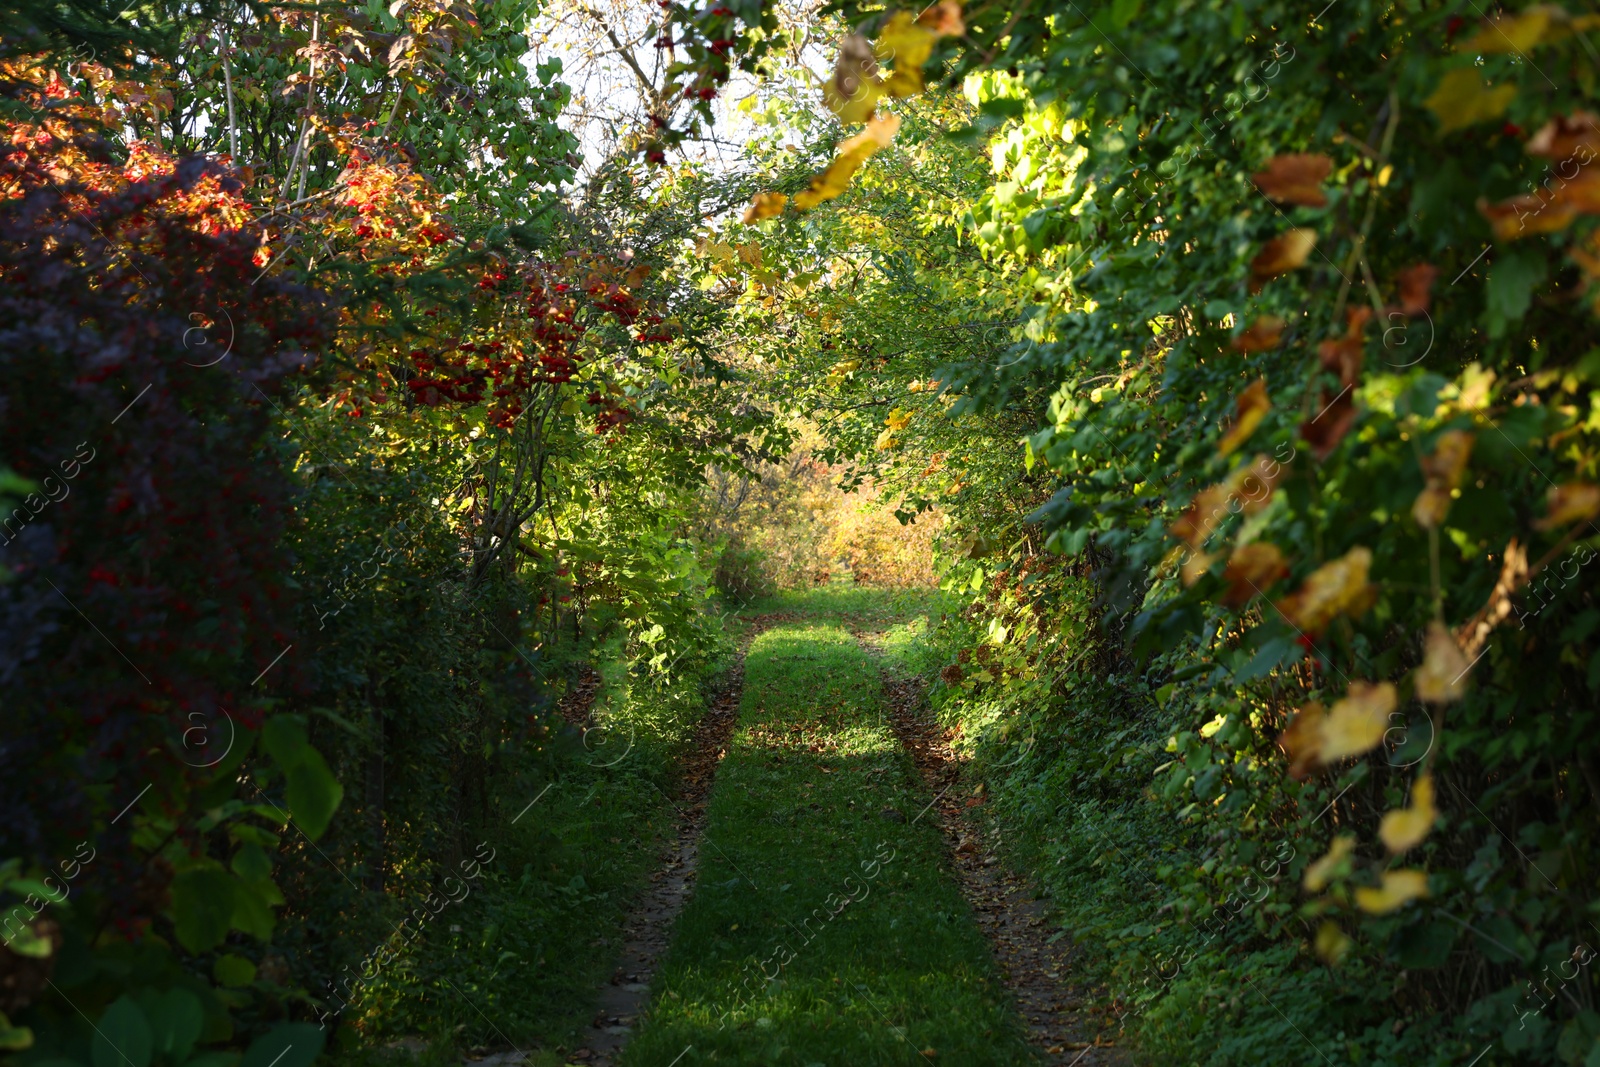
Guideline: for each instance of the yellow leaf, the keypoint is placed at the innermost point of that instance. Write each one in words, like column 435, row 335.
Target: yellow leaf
column 852, row 153
column 1320, row 873
column 853, row 91
column 1572, row 502
column 1511, row 33
column 1251, row 407
column 765, row 206
column 1398, row 887
column 1336, row 588
column 908, row 45
column 1407, row 827
column 898, row 419
column 1441, row 678
column 1463, row 100
column 1358, row 722
column 1442, row 472
column 1332, row 944
column 1281, row 255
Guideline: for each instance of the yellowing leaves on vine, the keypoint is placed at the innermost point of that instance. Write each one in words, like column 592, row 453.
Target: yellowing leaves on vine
column 1442, row 676
column 1251, row 407
column 1331, row 943
column 853, row 91
column 1323, row 871
column 855, row 88
column 1406, row 828
column 1338, row 587
column 1442, row 472
column 852, row 153
column 1397, row 889
column 1462, row 99
column 1358, row 722
column 1525, row 31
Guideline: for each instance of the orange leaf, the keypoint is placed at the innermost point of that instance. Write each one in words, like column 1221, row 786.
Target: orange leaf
column 1295, row 179
column 1442, row 471
column 1327, row 427
column 1251, row 569
column 1251, row 484
column 1336, row 588
column 943, row 18
column 1251, row 407
column 1416, row 287
column 1572, row 502
column 1565, row 136
column 1262, row 335
column 1344, row 355
column 1302, row 739
column 765, row 206
column 1280, row 256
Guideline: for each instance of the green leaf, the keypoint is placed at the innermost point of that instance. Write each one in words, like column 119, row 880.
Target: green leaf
column 234, row 971
column 175, row 1021
column 313, row 793
column 14, row 1038
column 202, row 906
column 251, row 909
column 284, row 737
column 252, row 863
column 1124, row 11
column 122, row 1036
column 27, row 942
column 1425, row 944
column 1509, row 292
column 285, row 1045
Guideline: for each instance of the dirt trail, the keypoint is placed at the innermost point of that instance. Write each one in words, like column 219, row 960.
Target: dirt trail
column 1034, row 960
column 649, row 926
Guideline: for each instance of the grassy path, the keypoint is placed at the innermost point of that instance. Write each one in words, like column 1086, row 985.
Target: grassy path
column 823, row 929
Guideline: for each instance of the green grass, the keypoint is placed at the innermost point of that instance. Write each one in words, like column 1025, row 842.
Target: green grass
column 519, row 960
column 760, row 970
column 859, row 604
